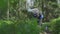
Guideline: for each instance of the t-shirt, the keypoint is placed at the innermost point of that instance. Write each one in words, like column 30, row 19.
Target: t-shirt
column 40, row 17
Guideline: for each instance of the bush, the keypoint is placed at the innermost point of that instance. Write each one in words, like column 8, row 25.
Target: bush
column 6, row 27
column 44, row 25
column 55, row 26
column 19, row 27
column 27, row 26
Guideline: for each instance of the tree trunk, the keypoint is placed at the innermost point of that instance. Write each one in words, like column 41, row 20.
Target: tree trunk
column 8, row 11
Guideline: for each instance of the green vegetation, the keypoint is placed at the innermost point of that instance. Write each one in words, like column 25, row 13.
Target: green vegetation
column 55, row 26
column 14, row 18
column 20, row 27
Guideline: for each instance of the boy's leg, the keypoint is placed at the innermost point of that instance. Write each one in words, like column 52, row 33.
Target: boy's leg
column 40, row 19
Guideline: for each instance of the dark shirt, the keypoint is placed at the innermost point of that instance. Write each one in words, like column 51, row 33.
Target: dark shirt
column 39, row 17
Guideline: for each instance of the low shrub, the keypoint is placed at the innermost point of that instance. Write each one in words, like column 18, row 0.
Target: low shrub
column 19, row 27
column 55, row 26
